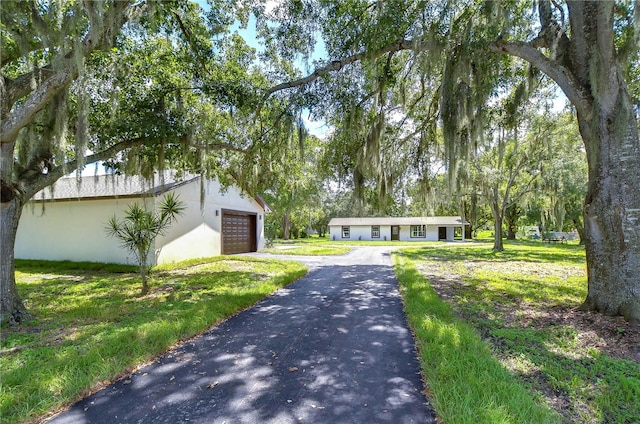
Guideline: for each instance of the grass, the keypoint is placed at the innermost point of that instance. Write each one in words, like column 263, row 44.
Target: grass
column 466, row 384
column 92, row 325
column 476, row 315
column 308, row 250
column 503, row 334
column 325, row 241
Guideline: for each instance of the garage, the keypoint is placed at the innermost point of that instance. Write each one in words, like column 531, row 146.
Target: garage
column 238, row 232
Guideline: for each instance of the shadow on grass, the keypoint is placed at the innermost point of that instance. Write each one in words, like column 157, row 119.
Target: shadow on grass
column 28, row 266
column 589, row 386
column 530, row 324
column 467, row 383
column 96, row 326
column 520, row 251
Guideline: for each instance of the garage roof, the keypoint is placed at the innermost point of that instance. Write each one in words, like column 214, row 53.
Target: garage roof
column 109, row 186
column 116, row 185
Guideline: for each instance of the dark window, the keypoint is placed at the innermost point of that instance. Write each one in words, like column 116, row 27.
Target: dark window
column 418, row 231
column 345, row 231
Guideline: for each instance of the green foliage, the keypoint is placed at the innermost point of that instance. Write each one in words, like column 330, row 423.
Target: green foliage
column 93, row 328
column 139, row 228
column 294, row 189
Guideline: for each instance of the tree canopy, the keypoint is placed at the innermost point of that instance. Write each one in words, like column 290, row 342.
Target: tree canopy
column 408, row 88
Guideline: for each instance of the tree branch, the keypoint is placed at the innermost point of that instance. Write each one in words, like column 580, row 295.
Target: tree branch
column 336, row 65
column 36, row 101
column 20, row 86
column 118, row 14
column 219, row 146
column 38, row 181
column 561, row 75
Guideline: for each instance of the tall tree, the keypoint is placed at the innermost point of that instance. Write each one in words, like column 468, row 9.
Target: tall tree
column 562, row 185
column 587, row 47
column 135, row 83
column 44, row 50
column 586, row 57
column 506, row 169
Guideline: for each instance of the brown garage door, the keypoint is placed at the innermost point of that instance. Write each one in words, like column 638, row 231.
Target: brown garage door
column 238, row 232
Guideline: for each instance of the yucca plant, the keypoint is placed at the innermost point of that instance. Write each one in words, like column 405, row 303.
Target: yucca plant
column 139, row 228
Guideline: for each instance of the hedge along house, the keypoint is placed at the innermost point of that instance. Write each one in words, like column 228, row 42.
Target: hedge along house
column 431, row 228
column 70, row 225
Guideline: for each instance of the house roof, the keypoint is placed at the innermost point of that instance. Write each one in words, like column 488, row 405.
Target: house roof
column 418, row 220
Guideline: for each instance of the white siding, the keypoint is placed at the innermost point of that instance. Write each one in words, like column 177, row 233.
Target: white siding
column 432, row 233
column 450, row 233
column 72, row 230
column 359, row 232
column 364, row 231
column 75, row 230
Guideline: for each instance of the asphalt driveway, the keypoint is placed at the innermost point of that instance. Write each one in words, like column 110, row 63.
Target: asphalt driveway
column 333, row 347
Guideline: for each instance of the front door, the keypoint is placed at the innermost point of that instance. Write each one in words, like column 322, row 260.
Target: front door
column 395, row 232
column 442, row 233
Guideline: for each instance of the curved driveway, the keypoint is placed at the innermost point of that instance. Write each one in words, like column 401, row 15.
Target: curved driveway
column 333, row 347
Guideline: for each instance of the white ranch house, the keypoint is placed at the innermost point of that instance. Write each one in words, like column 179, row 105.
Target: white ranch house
column 432, row 228
column 67, row 221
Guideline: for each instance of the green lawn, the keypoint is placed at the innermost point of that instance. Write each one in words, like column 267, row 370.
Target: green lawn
column 501, row 340
column 92, row 325
column 498, row 334
column 308, row 250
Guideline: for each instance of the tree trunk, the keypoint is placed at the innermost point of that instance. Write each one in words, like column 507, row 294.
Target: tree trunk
column 286, row 227
column 609, row 130
column 511, row 230
column 588, row 70
column 580, row 229
column 143, row 258
column 612, row 210
column 498, row 246
column 512, row 215
column 12, row 309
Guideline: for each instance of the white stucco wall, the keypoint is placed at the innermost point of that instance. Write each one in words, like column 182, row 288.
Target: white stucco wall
column 197, row 234
column 72, row 230
column 75, row 230
column 335, row 233
column 432, row 233
column 364, row 231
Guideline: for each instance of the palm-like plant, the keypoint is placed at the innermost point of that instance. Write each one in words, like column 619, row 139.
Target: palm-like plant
column 139, row 228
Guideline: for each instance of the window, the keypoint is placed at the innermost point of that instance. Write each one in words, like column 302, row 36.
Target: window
column 375, row 231
column 418, row 231
column 345, row 231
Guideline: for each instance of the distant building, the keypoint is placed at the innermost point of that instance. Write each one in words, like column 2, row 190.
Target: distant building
column 431, row 228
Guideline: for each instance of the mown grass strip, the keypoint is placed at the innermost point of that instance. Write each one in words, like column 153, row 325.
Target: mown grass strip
column 466, row 384
column 92, row 325
column 309, row 250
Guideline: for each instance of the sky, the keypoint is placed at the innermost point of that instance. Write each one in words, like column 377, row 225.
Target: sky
column 317, row 128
